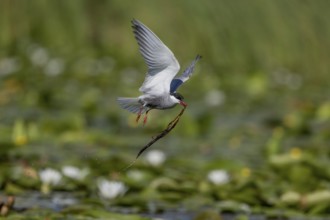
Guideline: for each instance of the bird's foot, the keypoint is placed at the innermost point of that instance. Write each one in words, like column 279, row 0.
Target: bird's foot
column 145, row 119
column 138, row 118
column 139, row 115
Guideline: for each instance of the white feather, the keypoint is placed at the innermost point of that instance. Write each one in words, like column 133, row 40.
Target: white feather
column 162, row 64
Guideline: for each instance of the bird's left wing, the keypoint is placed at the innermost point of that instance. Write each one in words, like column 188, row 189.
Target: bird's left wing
column 162, row 64
column 178, row 81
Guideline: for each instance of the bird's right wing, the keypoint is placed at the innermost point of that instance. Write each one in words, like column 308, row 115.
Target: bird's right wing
column 178, row 81
column 162, row 64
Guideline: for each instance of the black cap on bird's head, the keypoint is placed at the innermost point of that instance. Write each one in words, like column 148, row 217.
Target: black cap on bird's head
column 180, row 98
column 177, row 95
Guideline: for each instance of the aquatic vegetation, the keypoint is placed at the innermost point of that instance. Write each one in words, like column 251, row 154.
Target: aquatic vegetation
column 253, row 144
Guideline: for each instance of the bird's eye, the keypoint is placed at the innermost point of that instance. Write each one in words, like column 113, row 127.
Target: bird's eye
column 180, row 97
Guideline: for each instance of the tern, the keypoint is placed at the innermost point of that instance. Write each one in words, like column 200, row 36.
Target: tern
column 159, row 87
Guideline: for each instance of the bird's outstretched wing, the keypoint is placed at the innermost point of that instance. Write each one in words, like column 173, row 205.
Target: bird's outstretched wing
column 162, row 64
column 185, row 75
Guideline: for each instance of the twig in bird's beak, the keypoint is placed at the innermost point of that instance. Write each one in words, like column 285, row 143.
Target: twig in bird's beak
column 169, row 128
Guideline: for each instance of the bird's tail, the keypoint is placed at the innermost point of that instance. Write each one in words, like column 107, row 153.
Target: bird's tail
column 131, row 104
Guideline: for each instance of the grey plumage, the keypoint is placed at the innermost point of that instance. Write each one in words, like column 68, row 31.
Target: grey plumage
column 162, row 68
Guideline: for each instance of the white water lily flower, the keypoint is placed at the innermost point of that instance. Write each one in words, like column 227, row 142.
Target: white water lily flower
column 74, row 172
column 111, row 189
column 155, row 157
column 218, row 177
column 50, row 176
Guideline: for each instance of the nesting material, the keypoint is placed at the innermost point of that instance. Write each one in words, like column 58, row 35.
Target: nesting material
column 168, row 129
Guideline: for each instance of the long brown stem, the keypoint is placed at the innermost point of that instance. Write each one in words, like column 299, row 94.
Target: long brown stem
column 169, row 128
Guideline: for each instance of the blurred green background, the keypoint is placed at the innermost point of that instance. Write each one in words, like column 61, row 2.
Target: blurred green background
column 259, row 105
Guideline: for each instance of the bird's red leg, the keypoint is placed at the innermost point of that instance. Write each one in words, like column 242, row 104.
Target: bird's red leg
column 145, row 118
column 139, row 115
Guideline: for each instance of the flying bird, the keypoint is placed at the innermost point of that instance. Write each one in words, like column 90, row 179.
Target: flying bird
column 159, row 87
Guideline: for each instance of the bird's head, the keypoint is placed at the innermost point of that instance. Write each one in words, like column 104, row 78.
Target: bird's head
column 178, row 98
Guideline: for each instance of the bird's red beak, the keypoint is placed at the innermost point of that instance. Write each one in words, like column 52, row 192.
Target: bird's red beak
column 183, row 104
